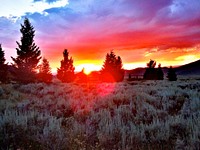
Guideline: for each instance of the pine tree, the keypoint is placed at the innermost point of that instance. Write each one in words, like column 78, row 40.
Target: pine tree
column 150, row 73
column 2, row 56
column 171, row 75
column 28, row 54
column 3, row 67
column 66, row 71
column 151, row 64
column 81, row 77
column 112, row 68
column 153, row 73
column 160, row 74
column 45, row 74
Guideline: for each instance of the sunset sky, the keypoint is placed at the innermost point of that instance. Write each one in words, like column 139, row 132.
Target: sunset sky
column 167, row 31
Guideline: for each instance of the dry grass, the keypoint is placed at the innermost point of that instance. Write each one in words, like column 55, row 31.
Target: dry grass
column 127, row 115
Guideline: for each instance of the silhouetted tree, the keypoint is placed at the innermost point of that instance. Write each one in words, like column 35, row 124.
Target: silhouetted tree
column 153, row 73
column 28, row 54
column 151, row 64
column 150, row 73
column 81, row 77
column 45, row 74
column 112, row 68
column 160, row 74
column 66, row 71
column 2, row 56
column 171, row 75
column 3, row 67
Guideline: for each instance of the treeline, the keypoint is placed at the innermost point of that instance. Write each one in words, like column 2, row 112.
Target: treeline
column 27, row 67
column 153, row 73
column 30, row 67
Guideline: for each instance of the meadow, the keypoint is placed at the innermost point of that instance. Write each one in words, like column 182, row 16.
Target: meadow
column 126, row 115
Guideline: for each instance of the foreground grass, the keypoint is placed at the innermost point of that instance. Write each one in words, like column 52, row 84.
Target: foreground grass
column 127, row 115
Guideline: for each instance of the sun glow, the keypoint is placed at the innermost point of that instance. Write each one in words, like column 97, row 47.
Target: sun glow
column 187, row 58
column 87, row 72
column 88, row 68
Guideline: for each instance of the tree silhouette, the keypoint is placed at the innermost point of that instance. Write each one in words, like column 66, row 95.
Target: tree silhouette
column 153, row 73
column 160, row 74
column 112, row 68
column 2, row 56
column 151, row 64
column 28, row 54
column 45, row 74
column 66, row 71
column 150, row 73
column 81, row 77
column 171, row 75
column 3, row 67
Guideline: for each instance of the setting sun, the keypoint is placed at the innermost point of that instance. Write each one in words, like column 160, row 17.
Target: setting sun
column 88, row 68
column 86, row 71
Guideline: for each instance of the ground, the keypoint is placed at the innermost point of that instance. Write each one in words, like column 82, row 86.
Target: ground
column 126, row 115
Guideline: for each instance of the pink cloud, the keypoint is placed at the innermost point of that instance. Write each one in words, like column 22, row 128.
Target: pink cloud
column 90, row 28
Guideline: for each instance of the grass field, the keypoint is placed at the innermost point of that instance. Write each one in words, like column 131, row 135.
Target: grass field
column 127, row 115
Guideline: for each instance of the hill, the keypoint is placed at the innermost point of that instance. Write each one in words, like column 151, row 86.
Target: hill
column 189, row 69
column 140, row 71
column 137, row 71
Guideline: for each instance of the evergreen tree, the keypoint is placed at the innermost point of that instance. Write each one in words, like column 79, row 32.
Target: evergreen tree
column 2, row 56
column 45, row 74
column 3, row 67
column 171, row 75
column 66, row 71
column 28, row 54
column 112, row 68
column 153, row 73
column 160, row 74
column 151, row 64
column 81, row 77
column 150, row 73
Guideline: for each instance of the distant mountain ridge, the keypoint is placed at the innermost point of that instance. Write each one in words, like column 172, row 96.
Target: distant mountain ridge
column 192, row 68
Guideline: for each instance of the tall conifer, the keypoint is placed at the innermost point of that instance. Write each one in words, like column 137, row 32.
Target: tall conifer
column 28, row 54
column 112, row 68
column 3, row 67
column 66, row 71
column 2, row 56
column 45, row 74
